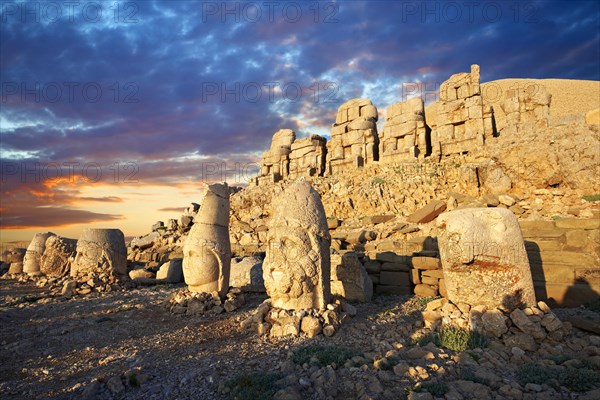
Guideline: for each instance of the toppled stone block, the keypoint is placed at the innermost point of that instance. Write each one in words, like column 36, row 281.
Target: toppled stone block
column 427, row 213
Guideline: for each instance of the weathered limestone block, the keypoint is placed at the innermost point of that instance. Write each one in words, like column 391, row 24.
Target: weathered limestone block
column 247, row 274
column 35, row 250
column 100, row 250
column 307, row 157
column 171, row 271
column 526, row 108
column 354, row 139
column 146, row 241
column 404, row 133
column 207, row 250
column 274, row 163
column 462, row 121
column 484, row 259
column 57, row 257
column 296, row 270
column 349, row 279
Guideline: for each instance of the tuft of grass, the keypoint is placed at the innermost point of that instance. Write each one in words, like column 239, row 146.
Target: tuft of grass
column 255, row 386
column 458, row 339
column 437, row 389
column 377, row 181
column 423, row 301
column 325, row 355
column 592, row 197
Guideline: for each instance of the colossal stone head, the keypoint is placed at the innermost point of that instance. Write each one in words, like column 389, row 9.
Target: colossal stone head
column 296, row 270
column 100, row 250
column 207, row 250
column 35, row 250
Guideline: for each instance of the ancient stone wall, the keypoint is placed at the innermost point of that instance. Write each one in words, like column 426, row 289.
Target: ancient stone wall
column 526, row 109
column 404, row 134
column 462, row 121
column 564, row 256
column 354, row 140
column 307, row 157
column 274, row 163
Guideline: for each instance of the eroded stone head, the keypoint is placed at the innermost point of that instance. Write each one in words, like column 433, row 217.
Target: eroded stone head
column 296, row 270
column 207, row 250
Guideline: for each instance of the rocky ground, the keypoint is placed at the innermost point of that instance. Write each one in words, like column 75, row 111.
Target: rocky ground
column 126, row 344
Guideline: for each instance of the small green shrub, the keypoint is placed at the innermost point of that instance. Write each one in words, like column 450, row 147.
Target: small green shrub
column 437, row 389
column 255, row 386
column 423, row 301
column 325, row 355
column 458, row 339
column 575, row 379
column 377, row 181
column 579, row 379
column 533, row 373
column 592, row 197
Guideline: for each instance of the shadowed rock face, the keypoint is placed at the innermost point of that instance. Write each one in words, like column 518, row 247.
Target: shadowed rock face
column 296, row 270
column 100, row 250
column 484, row 259
column 35, row 250
column 207, row 251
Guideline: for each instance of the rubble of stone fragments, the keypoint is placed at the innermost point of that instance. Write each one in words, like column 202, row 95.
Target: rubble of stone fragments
column 189, row 302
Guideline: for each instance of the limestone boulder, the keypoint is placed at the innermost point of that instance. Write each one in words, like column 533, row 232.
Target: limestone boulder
column 58, row 255
column 100, row 250
column 484, row 259
column 171, row 271
column 349, row 279
column 35, row 250
column 207, row 249
column 146, row 241
column 296, row 269
column 247, row 274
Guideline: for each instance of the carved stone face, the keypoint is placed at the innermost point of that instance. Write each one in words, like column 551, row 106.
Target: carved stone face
column 293, row 268
column 202, row 265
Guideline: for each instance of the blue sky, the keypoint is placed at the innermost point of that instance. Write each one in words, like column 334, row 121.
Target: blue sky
column 170, row 87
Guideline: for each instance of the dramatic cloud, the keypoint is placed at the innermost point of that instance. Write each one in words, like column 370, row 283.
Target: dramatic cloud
column 175, row 92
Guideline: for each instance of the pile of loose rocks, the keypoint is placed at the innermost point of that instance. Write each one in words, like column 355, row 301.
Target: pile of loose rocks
column 276, row 322
column 187, row 302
